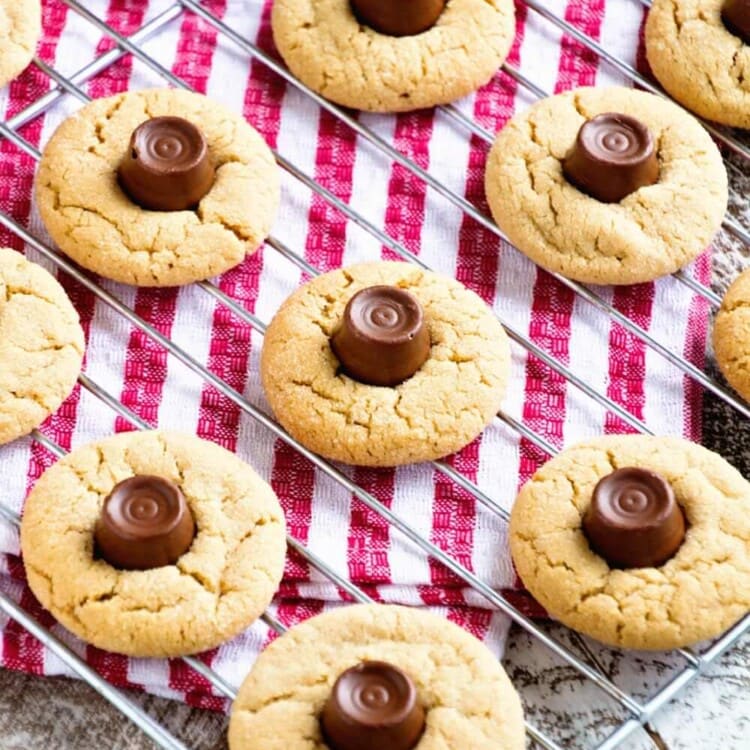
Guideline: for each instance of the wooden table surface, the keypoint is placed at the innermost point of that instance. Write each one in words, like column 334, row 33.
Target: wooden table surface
column 712, row 714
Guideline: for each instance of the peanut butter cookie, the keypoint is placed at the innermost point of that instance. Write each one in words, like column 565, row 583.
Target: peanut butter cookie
column 440, row 408
column 352, row 64
column 96, row 223
column 698, row 60
column 225, row 569
column 674, row 514
column 20, row 29
column 732, row 335
column 653, row 231
column 41, row 345
column 465, row 697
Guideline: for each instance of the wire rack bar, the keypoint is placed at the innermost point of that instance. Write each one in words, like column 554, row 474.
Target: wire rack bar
column 195, row 663
column 687, row 367
column 585, row 293
column 95, row 67
column 640, row 712
column 123, row 704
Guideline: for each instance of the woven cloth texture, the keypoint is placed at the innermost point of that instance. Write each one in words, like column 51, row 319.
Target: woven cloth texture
column 356, row 541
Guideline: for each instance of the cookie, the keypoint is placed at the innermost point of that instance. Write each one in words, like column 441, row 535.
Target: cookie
column 698, row 592
column 698, row 60
column 467, row 698
column 653, row 231
column 211, row 593
column 351, row 64
column 20, row 29
column 442, row 407
column 94, row 221
column 41, row 345
column 731, row 335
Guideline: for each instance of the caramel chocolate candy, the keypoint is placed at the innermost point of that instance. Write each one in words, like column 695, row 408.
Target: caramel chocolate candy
column 613, row 156
column 167, row 167
column 373, row 706
column 383, row 339
column 145, row 523
column 736, row 17
column 398, row 17
column 634, row 520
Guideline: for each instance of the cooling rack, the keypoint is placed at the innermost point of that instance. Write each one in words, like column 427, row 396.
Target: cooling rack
column 638, row 712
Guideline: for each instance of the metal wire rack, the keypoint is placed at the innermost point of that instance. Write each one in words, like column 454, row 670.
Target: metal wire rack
column 638, row 712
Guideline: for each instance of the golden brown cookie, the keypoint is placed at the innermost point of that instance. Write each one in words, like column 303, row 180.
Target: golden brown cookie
column 214, row 591
column 698, row 60
column 696, row 594
column 732, row 335
column 41, row 345
column 20, row 28
column 94, row 222
column 467, row 697
column 327, row 48
column 437, row 411
column 652, row 232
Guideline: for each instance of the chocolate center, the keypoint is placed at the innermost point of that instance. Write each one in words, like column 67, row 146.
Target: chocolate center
column 736, row 17
column 613, row 156
column 398, row 17
column 145, row 523
column 633, row 520
column 167, row 167
column 382, row 339
column 373, row 706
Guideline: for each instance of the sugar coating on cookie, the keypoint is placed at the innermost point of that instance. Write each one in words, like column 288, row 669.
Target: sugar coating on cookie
column 698, row 60
column 94, row 221
column 41, row 345
column 328, row 49
column 652, row 232
column 698, row 593
column 20, row 29
column 437, row 411
column 731, row 335
column 214, row 591
column 468, row 699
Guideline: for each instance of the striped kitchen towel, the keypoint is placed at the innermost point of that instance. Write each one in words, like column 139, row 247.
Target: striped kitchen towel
column 357, row 542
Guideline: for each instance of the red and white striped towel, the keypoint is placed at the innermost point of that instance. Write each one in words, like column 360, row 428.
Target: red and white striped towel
column 357, row 542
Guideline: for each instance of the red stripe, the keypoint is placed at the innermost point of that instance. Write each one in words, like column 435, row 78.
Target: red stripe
column 294, row 611
column 627, row 355
column 695, row 351
column 292, row 478
column 404, row 220
column 21, row 650
column 475, row 621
